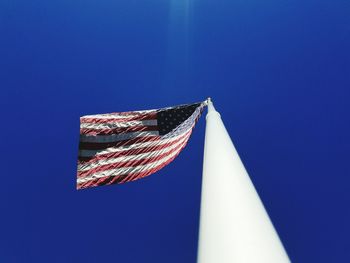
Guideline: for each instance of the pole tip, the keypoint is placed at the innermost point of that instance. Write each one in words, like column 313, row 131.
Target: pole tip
column 208, row 100
column 211, row 108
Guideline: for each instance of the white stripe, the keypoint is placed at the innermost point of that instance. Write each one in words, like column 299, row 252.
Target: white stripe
column 89, row 153
column 111, row 125
column 134, row 157
column 116, row 137
column 128, row 170
column 121, row 115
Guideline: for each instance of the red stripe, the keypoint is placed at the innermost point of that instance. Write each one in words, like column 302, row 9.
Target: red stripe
column 132, row 177
column 140, row 117
column 105, row 156
column 131, row 163
column 125, row 177
column 138, row 128
column 105, row 145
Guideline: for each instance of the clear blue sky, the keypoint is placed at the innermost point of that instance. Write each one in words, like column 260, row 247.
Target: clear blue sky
column 278, row 71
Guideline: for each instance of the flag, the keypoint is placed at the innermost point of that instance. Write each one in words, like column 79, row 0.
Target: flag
column 121, row 147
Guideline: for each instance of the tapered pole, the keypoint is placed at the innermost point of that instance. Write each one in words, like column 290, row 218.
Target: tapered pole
column 234, row 226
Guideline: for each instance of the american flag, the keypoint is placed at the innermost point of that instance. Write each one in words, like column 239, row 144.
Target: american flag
column 121, row 147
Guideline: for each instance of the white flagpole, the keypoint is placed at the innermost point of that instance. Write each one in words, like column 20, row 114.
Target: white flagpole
column 234, row 226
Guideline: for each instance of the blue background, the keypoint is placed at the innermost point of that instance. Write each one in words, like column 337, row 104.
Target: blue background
column 278, row 72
